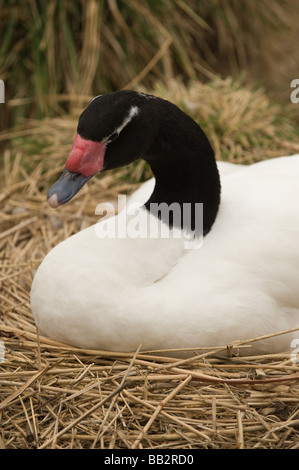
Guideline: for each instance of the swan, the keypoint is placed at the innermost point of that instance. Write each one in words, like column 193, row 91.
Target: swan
column 170, row 281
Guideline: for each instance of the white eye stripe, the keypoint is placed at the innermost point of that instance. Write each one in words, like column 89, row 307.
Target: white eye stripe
column 134, row 110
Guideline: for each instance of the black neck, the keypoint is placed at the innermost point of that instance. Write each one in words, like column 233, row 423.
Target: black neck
column 185, row 170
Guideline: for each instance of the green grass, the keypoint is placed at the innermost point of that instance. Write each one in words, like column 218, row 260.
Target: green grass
column 54, row 53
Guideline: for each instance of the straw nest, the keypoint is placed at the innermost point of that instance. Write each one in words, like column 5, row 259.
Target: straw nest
column 58, row 396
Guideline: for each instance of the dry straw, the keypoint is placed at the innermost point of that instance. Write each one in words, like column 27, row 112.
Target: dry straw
column 58, row 396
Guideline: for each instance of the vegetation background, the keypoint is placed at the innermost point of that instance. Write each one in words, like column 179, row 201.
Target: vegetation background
column 56, row 54
column 225, row 62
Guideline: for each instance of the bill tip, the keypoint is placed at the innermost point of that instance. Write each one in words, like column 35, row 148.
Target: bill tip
column 53, row 201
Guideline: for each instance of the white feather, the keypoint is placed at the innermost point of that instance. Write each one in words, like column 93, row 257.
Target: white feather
column 115, row 294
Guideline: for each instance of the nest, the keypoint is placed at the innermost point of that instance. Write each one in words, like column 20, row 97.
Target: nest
column 56, row 396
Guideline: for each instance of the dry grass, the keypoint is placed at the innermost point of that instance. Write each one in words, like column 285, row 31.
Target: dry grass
column 57, row 396
column 242, row 123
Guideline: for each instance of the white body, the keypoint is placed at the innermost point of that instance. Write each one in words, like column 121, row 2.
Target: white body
column 241, row 283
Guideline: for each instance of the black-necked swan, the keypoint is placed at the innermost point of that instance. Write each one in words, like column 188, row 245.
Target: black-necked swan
column 100, row 289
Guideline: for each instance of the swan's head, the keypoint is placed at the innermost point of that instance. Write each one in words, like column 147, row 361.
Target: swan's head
column 110, row 134
column 117, row 128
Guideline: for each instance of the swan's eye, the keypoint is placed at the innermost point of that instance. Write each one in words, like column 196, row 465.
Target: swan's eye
column 113, row 137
